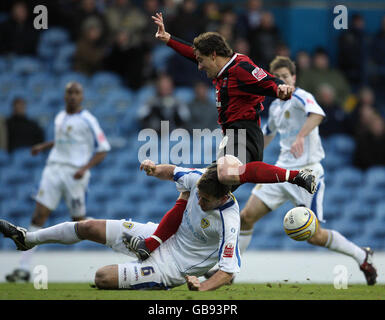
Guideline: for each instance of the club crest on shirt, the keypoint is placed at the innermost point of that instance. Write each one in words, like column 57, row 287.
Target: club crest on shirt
column 128, row 225
column 228, row 252
column 287, row 114
column 205, row 223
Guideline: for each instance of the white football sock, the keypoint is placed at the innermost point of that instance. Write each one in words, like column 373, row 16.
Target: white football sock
column 63, row 233
column 337, row 242
column 244, row 239
column 26, row 256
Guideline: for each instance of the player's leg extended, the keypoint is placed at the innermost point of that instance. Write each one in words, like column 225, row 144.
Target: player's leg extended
column 22, row 273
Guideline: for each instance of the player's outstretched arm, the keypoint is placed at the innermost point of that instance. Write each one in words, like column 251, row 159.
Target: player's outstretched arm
column 217, row 280
column 160, row 171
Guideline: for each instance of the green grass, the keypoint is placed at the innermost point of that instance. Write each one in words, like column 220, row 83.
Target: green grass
column 267, row 291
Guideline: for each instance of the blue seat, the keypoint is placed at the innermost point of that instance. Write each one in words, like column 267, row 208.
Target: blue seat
column 24, row 65
column 332, row 211
column 375, row 176
column 116, row 177
column 379, row 212
column 4, row 158
column 335, row 196
column 356, row 211
column 101, row 194
column 53, row 99
column 54, row 37
column 104, row 82
column 8, row 82
column 342, row 144
column 38, row 82
column 184, row 94
column 14, row 176
column 370, row 194
column 15, row 209
column 160, row 55
column 119, row 100
column 348, row 177
column 63, row 58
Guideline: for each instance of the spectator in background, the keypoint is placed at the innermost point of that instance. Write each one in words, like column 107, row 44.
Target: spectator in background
column 187, row 23
column 377, row 77
column 228, row 24
column 353, row 52
column 90, row 50
column 123, row 14
column 80, row 13
column 203, row 109
column 336, row 119
column 3, row 133
column 321, row 73
column 250, row 18
column 302, row 62
column 21, row 131
column 128, row 58
column 163, row 106
column 370, row 140
column 365, row 104
column 264, row 40
column 211, row 16
column 17, row 34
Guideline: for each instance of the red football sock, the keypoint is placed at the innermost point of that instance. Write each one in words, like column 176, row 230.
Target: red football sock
column 168, row 225
column 261, row 172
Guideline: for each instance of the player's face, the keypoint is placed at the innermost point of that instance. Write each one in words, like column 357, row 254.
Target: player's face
column 285, row 75
column 207, row 64
column 208, row 202
column 73, row 96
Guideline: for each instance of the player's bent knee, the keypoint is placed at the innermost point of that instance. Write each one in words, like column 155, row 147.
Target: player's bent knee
column 107, row 277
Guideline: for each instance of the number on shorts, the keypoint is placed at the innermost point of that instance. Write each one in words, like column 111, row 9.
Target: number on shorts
column 146, row 271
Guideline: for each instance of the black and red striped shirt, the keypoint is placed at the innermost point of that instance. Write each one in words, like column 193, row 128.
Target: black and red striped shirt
column 240, row 87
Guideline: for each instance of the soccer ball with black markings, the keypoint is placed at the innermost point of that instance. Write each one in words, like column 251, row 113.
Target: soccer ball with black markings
column 300, row 223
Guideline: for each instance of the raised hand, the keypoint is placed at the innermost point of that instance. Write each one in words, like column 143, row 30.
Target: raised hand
column 161, row 33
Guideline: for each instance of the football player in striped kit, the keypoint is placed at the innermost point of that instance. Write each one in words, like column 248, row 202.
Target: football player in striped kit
column 79, row 144
column 297, row 120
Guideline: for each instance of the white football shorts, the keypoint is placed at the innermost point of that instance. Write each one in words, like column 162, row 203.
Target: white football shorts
column 159, row 271
column 275, row 195
column 57, row 181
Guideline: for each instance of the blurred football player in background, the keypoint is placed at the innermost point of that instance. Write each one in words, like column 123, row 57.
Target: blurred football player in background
column 79, row 144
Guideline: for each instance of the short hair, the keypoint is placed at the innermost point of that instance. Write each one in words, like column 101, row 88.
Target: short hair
column 209, row 183
column 283, row 62
column 209, row 42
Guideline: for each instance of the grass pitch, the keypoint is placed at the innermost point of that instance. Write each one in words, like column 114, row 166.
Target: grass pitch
column 239, row 291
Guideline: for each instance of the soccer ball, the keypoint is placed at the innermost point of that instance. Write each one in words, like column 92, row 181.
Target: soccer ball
column 300, row 223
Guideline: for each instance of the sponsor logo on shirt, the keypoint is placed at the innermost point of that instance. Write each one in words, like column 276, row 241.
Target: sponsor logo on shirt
column 258, row 73
column 228, row 252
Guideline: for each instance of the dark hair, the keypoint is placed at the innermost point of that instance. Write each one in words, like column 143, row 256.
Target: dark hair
column 282, row 62
column 209, row 42
column 210, row 184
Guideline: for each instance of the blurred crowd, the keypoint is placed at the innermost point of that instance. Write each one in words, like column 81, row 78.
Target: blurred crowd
column 118, row 35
